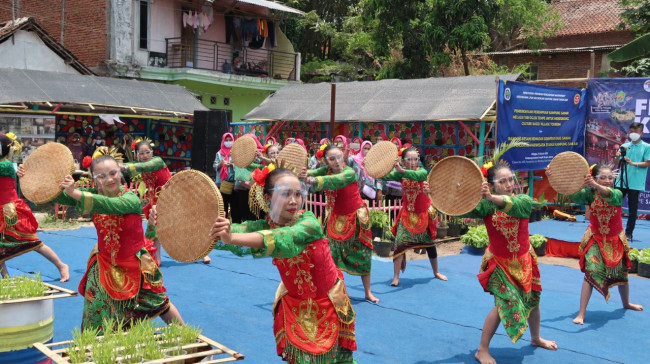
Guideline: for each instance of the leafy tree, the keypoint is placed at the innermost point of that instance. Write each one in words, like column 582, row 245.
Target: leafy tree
column 636, row 16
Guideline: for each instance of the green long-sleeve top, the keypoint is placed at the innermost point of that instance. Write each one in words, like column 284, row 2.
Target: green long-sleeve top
column 419, row 175
column 586, row 196
column 282, row 242
column 518, row 206
column 93, row 203
column 152, row 165
column 324, row 181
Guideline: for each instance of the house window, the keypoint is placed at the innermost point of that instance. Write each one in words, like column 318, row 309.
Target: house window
column 144, row 24
column 533, row 72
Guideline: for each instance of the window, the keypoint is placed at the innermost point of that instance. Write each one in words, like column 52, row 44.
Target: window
column 144, row 24
column 532, row 71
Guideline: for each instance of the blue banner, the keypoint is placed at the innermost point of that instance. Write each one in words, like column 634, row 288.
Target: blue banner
column 614, row 104
column 550, row 119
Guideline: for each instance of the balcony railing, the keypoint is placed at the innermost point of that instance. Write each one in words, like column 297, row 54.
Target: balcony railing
column 223, row 57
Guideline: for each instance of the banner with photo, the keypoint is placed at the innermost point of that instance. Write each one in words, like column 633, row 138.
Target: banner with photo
column 614, row 104
column 550, row 119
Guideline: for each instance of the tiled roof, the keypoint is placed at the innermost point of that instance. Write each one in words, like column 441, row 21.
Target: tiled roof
column 587, row 16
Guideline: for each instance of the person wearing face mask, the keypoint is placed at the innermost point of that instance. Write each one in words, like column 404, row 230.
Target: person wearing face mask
column 225, row 178
column 98, row 141
column 633, row 158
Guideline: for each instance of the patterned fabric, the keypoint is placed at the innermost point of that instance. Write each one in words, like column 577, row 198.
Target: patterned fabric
column 98, row 304
column 351, row 256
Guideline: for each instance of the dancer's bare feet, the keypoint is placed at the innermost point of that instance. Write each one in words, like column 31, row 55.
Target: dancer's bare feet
column 483, row 356
column 633, row 306
column 440, row 276
column 64, row 270
column 370, row 297
column 395, row 282
column 580, row 319
column 206, row 260
column 543, row 343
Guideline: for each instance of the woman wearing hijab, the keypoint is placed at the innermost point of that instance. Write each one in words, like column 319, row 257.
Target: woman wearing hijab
column 369, row 187
column 225, row 178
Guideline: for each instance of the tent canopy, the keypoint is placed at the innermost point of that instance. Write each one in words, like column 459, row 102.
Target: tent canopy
column 27, row 86
column 428, row 99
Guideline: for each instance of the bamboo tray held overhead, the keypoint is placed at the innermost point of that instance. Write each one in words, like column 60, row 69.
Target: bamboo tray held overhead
column 205, row 350
column 568, row 170
column 455, row 184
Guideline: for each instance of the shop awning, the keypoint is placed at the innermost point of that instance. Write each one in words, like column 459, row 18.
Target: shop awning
column 26, row 86
column 429, row 99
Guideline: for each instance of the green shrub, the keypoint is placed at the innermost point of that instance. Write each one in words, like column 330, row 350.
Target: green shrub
column 476, row 236
column 537, row 240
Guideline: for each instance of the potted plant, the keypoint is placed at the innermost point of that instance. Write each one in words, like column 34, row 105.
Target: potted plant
column 538, row 242
column 634, row 259
column 644, row 263
column 378, row 222
column 454, row 227
column 476, row 240
column 443, row 228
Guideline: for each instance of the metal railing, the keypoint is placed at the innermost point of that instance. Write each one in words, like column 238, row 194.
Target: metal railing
column 226, row 58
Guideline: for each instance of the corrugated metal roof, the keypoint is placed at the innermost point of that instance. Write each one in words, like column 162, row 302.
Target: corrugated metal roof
column 18, row 85
column 273, row 5
column 555, row 50
column 429, row 99
column 587, row 17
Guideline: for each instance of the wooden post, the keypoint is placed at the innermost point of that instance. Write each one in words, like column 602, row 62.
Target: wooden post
column 332, row 111
column 481, row 138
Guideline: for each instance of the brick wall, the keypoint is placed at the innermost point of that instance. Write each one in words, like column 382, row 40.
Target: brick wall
column 554, row 66
column 84, row 25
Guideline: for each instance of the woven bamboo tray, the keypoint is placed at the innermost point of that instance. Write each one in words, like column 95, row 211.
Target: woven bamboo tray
column 568, row 170
column 293, row 156
column 455, row 184
column 45, row 169
column 243, row 151
column 51, row 293
column 188, row 205
column 380, row 160
column 205, row 350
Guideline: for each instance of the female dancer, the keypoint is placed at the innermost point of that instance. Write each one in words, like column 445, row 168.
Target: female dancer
column 268, row 154
column 18, row 225
column 312, row 296
column 509, row 268
column 225, row 178
column 347, row 220
column 154, row 174
column 603, row 251
column 122, row 280
column 417, row 222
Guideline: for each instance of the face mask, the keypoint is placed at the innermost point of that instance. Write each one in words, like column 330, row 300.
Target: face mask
column 635, row 136
column 227, row 144
column 99, row 142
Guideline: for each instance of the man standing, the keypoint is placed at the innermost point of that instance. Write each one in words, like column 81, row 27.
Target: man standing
column 78, row 148
column 633, row 159
column 98, row 141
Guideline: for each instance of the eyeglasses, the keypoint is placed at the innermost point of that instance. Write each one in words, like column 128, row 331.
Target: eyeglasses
column 102, row 176
column 145, row 153
column 334, row 158
column 504, row 180
column 605, row 178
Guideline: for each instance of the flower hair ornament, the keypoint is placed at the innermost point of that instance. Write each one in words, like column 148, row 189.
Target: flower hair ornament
column 401, row 151
column 15, row 147
column 591, row 170
column 135, row 142
column 256, row 194
column 497, row 153
column 267, row 146
column 321, row 151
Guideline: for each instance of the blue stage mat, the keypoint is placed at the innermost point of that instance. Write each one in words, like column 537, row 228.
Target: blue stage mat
column 572, row 231
column 423, row 321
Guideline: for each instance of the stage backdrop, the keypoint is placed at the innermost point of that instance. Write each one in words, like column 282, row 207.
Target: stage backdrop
column 614, row 104
column 550, row 119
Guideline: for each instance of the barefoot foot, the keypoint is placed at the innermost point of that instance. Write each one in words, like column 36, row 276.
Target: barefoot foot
column 370, row 297
column 206, row 260
column 395, row 282
column 440, row 276
column 543, row 343
column 484, row 357
column 633, row 306
column 65, row 273
column 579, row 320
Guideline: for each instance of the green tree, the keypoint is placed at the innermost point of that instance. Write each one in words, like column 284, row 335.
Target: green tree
column 635, row 16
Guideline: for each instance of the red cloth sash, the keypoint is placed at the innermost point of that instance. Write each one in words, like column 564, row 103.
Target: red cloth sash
column 154, row 181
column 311, row 324
column 7, row 190
column 508, row 235
column 25, row 228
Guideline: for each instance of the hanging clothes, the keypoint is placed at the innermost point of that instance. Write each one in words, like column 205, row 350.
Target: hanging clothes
column 273, row 41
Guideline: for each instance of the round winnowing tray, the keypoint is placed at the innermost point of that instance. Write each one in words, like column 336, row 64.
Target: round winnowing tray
column 243, row 151
column 45, row 169
column 380, row 159
column 187, row 207
column 568, row 170
column 293, row 156
column 455, row 184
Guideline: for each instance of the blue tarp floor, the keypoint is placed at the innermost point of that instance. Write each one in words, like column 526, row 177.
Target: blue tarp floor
column 423, row 321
